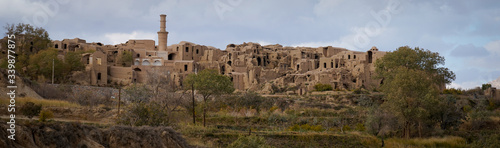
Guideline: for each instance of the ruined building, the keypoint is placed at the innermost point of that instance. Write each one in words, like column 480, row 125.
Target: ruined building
column 250, row 65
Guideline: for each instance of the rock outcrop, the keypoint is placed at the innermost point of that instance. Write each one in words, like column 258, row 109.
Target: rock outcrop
column 33, row 135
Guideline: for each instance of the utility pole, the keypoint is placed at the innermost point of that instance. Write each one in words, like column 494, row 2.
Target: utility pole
column 52, row 71
column 192, row 93
column 119, row 99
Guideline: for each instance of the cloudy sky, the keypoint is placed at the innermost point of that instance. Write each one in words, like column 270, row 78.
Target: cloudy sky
column 465, row 32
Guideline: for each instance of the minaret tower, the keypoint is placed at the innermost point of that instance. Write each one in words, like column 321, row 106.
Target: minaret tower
column 162, row 34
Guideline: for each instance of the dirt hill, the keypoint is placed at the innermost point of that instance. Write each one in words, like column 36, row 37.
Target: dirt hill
column 83, row 136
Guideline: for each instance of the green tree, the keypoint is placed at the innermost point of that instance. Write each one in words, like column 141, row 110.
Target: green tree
column 125, row 59
column 485, row 86
column 29, row 40
column 73, row 62
column 412, row 80
column 208, row 83
column 41, row 64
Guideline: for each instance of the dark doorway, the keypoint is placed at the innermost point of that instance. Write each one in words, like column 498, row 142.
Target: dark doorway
column 370, row 56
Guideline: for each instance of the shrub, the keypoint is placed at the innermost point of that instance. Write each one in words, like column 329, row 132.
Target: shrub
column 485, row 86
column 251, row 141
column 360, row 127
column 139, row 114
column 45, row 115
column 322, row 87
column 306, row 127
column 453, row 91
column 29, row 109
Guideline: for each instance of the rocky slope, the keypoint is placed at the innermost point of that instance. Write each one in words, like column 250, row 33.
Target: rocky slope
column 22, row 90
column 33, row 135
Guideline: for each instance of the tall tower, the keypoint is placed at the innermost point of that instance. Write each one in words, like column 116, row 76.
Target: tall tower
column 162, row 34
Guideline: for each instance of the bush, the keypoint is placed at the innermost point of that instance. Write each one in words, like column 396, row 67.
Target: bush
column 485, row 86
column 45, row 115
column 139, row 114
column 306, row 127
column 323, row 87
column 251, row 141
column 360, row 127
column 29, row 109
column 453, row 91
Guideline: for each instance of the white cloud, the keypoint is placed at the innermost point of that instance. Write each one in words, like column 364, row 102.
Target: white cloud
column 454, row 85
column 493, row 47
column 117, row 38
column 264, row 43
column 465, row 85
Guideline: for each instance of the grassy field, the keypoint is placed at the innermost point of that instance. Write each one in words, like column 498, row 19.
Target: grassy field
column 299, row 121
column 44, row 102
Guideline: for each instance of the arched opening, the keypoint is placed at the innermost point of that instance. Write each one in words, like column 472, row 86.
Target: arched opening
column 136, row 62
column 177, row 48
column 157, row 63
column 65, row 46
column 331, row 65
column 197, row 51
column 98, row 76
column 137, row 69
column 146, row 63
column 185, row 67
column 229, row 63
column 324, row 65
column 56, row 46
column 354, row 57
column 187, row 49
column 298, row 66
column 336, row 65
column 230, row 56
column 171, row 56
column 138, row 55
column 348, row 56
column 370, row 54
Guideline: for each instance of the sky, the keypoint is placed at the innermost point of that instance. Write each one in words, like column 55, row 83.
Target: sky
column 465, row 32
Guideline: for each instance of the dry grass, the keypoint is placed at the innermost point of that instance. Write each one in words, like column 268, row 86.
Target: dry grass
column 44, row 102
column 449, row 141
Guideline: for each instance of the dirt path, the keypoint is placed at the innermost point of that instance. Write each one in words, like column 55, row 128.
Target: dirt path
column 59, row 119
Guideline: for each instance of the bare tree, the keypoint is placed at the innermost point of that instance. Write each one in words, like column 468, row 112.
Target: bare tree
column 164, row 91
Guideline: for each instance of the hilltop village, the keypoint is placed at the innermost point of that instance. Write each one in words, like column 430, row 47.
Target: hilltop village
column 251, row 66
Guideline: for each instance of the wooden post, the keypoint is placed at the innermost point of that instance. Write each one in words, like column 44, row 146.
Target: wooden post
column 119, row 100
